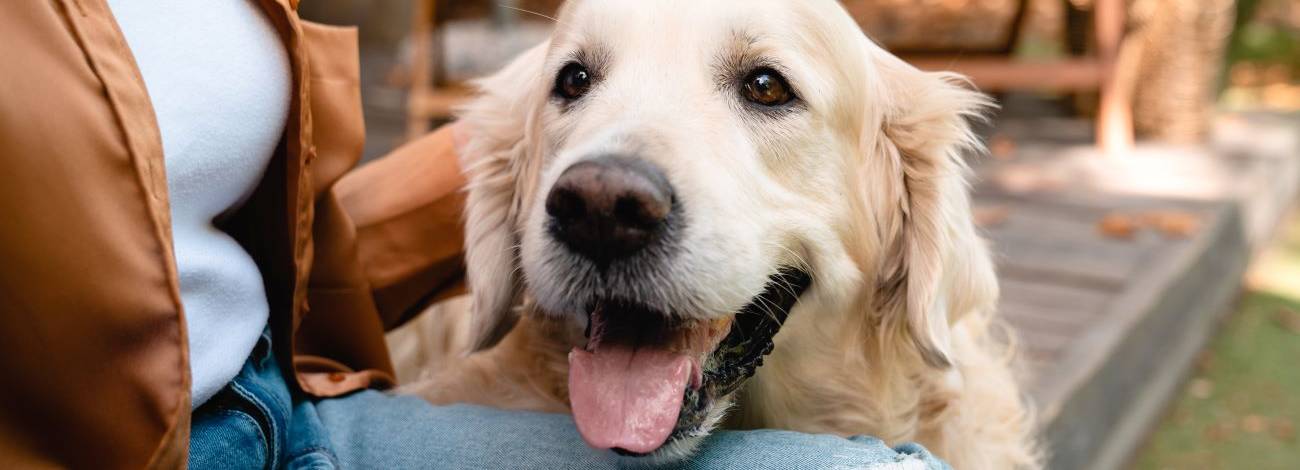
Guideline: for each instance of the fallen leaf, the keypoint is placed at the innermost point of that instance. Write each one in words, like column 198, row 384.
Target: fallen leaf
column 1288, row 320
column 1118, row 226
column 1147, row 219
column 1205, row 361
column 1174, row 224
column 1201, row 388
column 1254, row 424
column 991, row 216
column 1219, row 431
column 1243, row 74
column 1283, row 429
column 1002, row 147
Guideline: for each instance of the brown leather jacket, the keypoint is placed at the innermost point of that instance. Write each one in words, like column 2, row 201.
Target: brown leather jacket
column 92, row 334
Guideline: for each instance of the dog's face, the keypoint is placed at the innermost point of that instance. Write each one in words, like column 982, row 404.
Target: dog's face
column 673, row 177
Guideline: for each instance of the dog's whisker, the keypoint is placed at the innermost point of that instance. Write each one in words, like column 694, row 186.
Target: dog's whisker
column 768, row 307
column 799, row 261
column 531, row 12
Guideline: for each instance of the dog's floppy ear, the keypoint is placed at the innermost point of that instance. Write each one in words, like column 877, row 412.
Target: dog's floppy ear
column 498, row 125
column 934, row 267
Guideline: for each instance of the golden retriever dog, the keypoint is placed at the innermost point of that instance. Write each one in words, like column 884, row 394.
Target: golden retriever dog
column 686, row 214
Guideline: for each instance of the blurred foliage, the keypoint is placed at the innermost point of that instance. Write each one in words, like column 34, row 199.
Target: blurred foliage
column 1263, row 63
column 1267, row 32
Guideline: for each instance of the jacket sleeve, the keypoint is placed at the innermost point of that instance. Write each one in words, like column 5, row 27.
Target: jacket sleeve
column 407, row 210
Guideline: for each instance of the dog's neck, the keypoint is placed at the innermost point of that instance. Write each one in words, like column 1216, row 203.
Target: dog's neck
column 829, row 374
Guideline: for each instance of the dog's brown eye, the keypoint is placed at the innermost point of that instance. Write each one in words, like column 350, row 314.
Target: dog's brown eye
column 767, row 87
column 573, row 82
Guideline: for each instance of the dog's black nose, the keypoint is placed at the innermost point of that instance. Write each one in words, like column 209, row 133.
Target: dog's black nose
column 610, row 207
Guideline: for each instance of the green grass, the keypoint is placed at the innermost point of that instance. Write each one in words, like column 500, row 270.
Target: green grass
column 1242, row 407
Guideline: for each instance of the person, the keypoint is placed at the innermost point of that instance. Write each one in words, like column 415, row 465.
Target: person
column 190, row 274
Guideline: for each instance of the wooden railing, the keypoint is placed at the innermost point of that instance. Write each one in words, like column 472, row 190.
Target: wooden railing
column 1096, row 72
column 996, row 71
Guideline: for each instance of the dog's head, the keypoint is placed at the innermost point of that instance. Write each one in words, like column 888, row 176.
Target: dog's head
column 673, row 177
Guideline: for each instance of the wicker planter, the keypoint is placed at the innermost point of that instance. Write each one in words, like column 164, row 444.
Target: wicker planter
column 1182, row 44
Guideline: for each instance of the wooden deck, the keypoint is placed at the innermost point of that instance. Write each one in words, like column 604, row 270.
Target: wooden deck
column 1108, row 326
column 1105, row 323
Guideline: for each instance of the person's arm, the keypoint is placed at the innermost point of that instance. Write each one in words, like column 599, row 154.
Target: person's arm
column 407, row 210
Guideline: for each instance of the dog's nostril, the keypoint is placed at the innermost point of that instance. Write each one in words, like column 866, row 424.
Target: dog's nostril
column 637, row 212
column 565, row 204
column 609, row 207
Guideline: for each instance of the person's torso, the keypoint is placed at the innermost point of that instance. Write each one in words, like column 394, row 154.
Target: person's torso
column 89, row 283
column 219, row 80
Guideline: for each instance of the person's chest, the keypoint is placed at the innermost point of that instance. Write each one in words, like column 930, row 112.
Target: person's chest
column 219, row 79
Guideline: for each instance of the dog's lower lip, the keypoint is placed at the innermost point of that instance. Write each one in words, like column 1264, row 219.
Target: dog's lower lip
column 627, row 453
column 738, row 355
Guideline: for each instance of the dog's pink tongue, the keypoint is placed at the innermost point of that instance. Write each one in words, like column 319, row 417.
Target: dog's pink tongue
column 627, row 399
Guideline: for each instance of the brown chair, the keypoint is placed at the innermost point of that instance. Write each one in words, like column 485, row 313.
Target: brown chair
column 429, row 96
column 994, row 69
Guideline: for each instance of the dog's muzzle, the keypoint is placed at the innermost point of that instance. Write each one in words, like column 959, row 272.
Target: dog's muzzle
column 610, row 208
column 648, row 374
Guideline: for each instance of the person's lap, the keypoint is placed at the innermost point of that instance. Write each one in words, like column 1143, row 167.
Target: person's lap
column 406, row 432
column 258, row 420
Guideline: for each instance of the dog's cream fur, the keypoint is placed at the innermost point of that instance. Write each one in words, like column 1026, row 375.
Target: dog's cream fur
column 862, row 185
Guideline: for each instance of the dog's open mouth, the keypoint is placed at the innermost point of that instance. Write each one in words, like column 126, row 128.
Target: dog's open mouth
column 645, row 379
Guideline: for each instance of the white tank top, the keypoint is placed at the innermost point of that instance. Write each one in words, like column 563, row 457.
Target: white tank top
column 218, row 76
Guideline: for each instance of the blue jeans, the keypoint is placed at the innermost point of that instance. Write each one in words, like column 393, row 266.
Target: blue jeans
column 258, row 422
